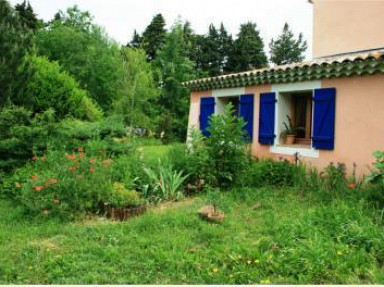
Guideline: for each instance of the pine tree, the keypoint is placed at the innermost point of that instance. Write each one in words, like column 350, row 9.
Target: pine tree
column 248, row 50
column 211, row 52
column 226, row 43
column 15, row 44
column 27, row 15
column 154, row 37
column 286, row 49
column 136, row 41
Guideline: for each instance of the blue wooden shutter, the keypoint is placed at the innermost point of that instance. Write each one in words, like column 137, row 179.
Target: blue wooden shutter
column 267, row 118
column 323, row 135
column 246, row 111
column 207, row 108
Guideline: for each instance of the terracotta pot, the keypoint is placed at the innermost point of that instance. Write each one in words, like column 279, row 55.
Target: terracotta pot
column 290, row 139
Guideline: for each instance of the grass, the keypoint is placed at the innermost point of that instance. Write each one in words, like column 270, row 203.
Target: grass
column 289, row 239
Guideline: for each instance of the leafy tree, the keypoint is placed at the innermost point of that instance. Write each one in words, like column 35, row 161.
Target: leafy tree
column 154, row 36
column 138, row 89
column 226, row 43
column 15, row 44
column 28, row 16
column 247, row 52
column 175, row 68
column 86, row 52
column 50, row 87
column 286, row 49
column 212, row 62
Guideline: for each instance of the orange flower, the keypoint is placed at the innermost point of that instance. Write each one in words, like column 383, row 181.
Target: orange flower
column 38, row 188
column 17, row 185
column 35, row 158
column 92, row 169
column 71, row 168
column 33, row 177
column 51, row 181
column 92, row 161
column 81, row 155
column 352, row 185
column 70, row 156
column 80, row 149
column 46, row 211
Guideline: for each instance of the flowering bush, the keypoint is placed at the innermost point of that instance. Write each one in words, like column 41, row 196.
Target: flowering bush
column 62, row 184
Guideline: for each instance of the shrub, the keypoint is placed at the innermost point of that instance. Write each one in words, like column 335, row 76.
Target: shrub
column 226, row 147
column 120, row 197
column 62, row 185
column 374, row 191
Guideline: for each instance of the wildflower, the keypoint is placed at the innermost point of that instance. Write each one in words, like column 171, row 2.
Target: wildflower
column 17, row 185
column 33, row 177
column 81, row 155
column 257, row 261
column 44, row 158
column 92, row 161
column 38, row 188
column 46, row 211
column 51, row 181
column 215, row 270
column 70, row 156
column 92, row 169
column 35, row 158
column 80, row 149
column 249, row 262
column 352, row 185
column 71, row 168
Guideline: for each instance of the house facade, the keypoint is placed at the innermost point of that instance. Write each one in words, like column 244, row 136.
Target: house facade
column 335, row 102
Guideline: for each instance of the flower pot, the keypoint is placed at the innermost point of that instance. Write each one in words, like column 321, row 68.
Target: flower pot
column 290, row 139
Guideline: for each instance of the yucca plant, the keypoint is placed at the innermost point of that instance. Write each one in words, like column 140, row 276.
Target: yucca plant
column 164, row 183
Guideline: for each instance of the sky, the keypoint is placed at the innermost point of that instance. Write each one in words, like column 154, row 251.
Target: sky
column 121, row 17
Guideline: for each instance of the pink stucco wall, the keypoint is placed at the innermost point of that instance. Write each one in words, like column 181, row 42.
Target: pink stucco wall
column 359, row 127
column 341, row 26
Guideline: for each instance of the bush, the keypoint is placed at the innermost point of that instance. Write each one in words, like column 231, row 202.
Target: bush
column 63, row 185
column 374, row 191
column 226, row 147
column 120, row 197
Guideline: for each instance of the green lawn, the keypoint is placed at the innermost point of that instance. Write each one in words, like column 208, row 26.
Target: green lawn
column 290, row 238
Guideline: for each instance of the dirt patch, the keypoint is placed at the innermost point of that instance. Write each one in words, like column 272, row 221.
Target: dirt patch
column 48, row 244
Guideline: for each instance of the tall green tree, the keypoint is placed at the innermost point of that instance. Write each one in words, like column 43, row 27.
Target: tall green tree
column 28, row 16
column 287, row 49
column 15, row 44
column 226, row 46
column 212, row 60
column 86, row 52
column 248, row 50
column 175, row 68
column 139, row 91
column 153, row 37
column 136, row 41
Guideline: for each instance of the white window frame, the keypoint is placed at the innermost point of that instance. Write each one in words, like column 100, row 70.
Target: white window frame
column 280, row 89
column 226, row 93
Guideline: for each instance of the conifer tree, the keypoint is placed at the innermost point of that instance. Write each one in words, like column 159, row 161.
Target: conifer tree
column 286, row 49
column 154, row 36
column 136, row 41
column 248, row 50
column 27, row 15
column 226, row 43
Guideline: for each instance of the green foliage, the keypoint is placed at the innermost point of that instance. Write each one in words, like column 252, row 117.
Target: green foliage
column 374, row 191
column 175, row 68
column 86, row 52
column 15, row 44
column 248, row 50
column 27, row 16
column 226, row 147
column 138, row 90
column 61, row 185
column 50, row 87
column 153, row 37
column 120, row 197
column 286, row 49
column 164, row 183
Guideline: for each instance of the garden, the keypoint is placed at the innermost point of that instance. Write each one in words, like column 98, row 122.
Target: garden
column 282, row 223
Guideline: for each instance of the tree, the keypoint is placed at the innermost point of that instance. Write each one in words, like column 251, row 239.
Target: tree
column 286, row 49
column 138, row 90
column 50, row 87
column 226, row 44
column 211, row 58
column 28, row 16
column 154, row 36
column 248, row 50
column 136, row 41
column 175, row 68
column 15, row 44
column 86, row 52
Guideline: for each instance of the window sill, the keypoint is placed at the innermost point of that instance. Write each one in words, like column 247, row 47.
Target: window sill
column 295, row 146
column 302, row 150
